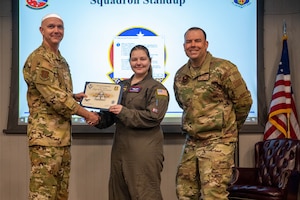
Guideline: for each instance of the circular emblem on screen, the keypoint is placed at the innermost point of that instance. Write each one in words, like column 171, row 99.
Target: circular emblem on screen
column 124, row 41
column 36, row 4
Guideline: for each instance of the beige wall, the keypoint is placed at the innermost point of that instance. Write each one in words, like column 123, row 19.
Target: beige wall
column 91, row 154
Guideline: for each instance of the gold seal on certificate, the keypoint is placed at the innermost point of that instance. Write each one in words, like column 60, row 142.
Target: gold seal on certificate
column 101, row 95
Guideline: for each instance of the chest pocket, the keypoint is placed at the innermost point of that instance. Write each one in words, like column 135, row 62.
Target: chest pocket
column 136, row 100
column 209, row 91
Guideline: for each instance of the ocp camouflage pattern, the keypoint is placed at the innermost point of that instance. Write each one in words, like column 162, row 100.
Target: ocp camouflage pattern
column 49, row 97
column 215, row 99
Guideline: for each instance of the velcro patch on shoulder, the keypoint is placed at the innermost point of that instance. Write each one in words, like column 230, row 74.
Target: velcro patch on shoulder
column 162, row 92
column 44, row 75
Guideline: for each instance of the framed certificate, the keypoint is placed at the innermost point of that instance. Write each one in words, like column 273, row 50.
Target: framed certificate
column 101, row 95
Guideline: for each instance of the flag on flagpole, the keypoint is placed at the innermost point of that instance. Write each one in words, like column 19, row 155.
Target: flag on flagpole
column 282, row 120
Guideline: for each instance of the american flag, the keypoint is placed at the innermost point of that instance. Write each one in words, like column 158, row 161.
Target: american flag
column 282, row 120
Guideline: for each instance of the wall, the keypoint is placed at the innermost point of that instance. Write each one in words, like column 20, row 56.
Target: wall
column 91, row 154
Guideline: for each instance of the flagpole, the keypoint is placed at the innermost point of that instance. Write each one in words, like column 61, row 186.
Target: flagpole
column 288, row 125
column 284, row 28
column 288, row 114
column 284, row 31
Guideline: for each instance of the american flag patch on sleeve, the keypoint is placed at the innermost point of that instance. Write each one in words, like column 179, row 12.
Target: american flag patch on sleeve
column 162, row 92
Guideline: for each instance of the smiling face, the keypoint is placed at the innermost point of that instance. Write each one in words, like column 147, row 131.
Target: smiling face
column 195, row 45
column 52, row 30
column 140, row 61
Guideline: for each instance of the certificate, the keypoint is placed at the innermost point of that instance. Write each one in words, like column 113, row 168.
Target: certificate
column 101, row 95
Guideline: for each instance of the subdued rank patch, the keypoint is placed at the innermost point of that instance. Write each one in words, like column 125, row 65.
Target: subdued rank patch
column 162, row 92
column 204, row 77
column 44, row 75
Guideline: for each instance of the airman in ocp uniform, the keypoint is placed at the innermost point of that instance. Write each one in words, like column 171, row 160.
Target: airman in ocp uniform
column 215, row 102
column 51, row 105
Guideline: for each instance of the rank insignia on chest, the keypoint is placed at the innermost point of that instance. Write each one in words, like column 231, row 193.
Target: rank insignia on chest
column 135, row 89
column 204, row 77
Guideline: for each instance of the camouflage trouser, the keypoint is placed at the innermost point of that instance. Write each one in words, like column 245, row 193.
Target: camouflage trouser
column 50, row 172
column 205, row 170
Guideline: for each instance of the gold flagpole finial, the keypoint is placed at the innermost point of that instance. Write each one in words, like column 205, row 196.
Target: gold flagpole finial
column 284, row 30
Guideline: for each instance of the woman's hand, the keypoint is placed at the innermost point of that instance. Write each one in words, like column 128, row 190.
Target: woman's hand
column 116, row 109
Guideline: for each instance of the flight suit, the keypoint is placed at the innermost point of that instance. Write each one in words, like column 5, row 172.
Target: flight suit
column 137, row 151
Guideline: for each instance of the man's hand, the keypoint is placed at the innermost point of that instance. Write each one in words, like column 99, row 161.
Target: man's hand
column 79, row 96
column 92, row 119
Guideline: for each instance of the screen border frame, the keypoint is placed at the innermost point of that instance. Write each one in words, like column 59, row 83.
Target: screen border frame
column 14, row 128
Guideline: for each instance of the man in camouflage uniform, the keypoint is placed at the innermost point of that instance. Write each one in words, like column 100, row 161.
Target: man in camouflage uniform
column 51, row 105
column 215, row 102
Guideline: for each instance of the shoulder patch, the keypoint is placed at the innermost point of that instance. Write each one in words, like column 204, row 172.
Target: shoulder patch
column 44, row 75
column 162, row 92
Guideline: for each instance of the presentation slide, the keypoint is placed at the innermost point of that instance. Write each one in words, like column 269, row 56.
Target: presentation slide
column 100, row 33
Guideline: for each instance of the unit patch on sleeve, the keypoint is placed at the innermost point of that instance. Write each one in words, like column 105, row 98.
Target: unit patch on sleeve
column 44, row 75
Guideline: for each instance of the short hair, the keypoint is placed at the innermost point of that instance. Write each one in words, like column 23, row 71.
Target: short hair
column 194, row 29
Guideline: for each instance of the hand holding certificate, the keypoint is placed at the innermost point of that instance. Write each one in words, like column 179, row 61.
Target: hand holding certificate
column 101, row 95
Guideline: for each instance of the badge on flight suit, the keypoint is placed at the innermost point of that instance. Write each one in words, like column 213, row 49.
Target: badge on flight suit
column 135, row 89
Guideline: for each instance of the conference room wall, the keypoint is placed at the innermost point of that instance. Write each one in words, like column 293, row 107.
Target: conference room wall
column 91, row 154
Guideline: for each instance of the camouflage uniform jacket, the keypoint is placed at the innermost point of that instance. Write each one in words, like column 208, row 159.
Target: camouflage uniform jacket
column 49, row 98
column 215, row 99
